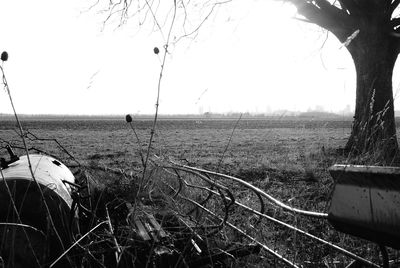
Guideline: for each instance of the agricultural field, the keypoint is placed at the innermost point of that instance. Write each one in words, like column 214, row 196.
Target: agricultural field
column 252, row 145
column 288, row 159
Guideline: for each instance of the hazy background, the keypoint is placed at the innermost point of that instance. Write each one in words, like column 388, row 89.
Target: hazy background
column 250, row 56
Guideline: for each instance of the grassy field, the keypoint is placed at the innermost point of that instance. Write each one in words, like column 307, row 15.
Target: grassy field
column 255, row 143
column 286, row 158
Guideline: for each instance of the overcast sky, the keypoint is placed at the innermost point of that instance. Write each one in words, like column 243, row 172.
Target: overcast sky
column 250, row 56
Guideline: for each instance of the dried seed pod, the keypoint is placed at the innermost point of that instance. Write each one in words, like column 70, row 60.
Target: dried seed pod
column 128, row 118
column 156, row 50
column 4, row 56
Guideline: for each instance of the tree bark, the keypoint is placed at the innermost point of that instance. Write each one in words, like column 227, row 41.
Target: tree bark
column 374, row 132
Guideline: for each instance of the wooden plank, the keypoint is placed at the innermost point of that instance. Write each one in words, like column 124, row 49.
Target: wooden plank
column 142, row 230
column 151, row 230
column 157, row 226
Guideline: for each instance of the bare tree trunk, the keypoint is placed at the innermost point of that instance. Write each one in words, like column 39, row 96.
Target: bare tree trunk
column 374, row 131
column 369, row 33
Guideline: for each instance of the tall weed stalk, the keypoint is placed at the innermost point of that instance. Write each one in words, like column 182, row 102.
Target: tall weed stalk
column 165, row 53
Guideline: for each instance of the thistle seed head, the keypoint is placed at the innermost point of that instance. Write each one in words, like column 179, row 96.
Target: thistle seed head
column 4, row 56
column 128, row 118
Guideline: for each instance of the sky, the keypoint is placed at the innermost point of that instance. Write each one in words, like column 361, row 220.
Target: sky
column 248, row 56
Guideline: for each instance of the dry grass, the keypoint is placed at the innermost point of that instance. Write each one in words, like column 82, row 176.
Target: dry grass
column 288, row 159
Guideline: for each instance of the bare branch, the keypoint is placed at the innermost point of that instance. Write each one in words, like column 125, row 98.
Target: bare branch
column 153, row 14
column 185, row 16
column 191, row 15
column 327, row 16
column 194, row 31
column 91, row 7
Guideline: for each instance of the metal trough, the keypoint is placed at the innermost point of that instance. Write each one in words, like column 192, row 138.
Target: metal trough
column 366, row 202
column 42, row 202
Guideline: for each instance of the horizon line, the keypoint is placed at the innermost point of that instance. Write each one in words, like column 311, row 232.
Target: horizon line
column 277, row 114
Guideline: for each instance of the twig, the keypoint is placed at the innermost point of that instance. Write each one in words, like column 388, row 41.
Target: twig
column 35, row 137
column 21, row 225
column 138, row 142
column 74, row 244
column 118, row 251
column 194, row 31
column 229, row 142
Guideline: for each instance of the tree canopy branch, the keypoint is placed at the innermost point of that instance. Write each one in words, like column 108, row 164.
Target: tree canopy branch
column 325, row 15
column 394, row 5
column 349, row 5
